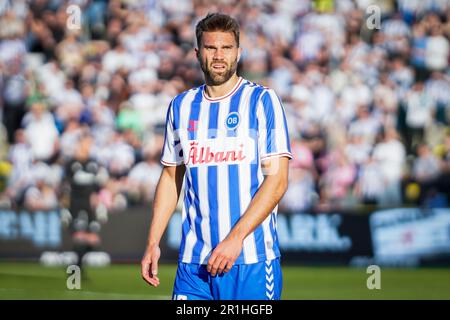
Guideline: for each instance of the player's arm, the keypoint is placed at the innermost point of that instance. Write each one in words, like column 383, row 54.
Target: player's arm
column 266, row 198
column 166, row 198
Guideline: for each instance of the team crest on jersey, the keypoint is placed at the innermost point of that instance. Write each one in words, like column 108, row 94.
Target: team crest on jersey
column 232, row 121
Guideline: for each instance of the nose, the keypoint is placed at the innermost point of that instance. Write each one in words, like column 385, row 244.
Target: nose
column 218, row 54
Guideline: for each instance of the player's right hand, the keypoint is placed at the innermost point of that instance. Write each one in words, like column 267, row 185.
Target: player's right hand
column 149, row 265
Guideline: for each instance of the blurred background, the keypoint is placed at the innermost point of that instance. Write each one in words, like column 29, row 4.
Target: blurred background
column 84, row 89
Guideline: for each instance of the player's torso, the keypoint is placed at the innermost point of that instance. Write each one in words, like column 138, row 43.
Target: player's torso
column 218, row 142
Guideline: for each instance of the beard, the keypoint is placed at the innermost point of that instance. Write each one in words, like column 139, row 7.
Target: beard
column 216, row 79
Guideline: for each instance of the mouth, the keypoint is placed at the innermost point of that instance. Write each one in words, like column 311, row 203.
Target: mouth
column 218, row 67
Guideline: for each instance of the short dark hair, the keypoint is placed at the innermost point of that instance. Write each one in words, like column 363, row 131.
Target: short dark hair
column 217, row 22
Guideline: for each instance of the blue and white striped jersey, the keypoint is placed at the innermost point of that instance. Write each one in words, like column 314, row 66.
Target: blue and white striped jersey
column 222, row 142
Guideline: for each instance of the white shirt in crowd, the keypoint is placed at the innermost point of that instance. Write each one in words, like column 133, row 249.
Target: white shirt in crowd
column 11, row 49
column 436, row 53
column 114, row 60
column 144, row 172
column 51, row 76
column 370, row 184
column 391, row 158
column 419, row 108
column 21, row 157
column 42, row 136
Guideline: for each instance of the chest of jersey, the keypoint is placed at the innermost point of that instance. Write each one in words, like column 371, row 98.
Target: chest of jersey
column 218, row 133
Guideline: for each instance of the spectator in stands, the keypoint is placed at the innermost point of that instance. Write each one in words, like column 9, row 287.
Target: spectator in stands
column 143, row 178
column 419, row 44
column 426, row 165
column 41, row 196
column 21, row 158
column 69, row 138
column 365, row 125
column 420, row 110
column 369, row 185
column 41, row 132
column 111, row 197
column 437, row 49
column 438, row 87
column 14, row 94
column 337, row 181
column 357, row 149
column 390, row 155
column 301, row 194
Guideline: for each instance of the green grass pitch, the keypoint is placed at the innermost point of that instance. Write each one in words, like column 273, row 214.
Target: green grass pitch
column 33, row 281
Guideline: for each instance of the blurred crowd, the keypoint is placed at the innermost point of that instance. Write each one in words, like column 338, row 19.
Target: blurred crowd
column 367, row 97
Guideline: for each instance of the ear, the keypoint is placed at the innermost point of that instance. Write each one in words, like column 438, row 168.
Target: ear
column 197, row 52
column 239, row 54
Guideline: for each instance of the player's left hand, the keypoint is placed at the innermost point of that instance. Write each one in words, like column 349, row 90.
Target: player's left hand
column 224, row 256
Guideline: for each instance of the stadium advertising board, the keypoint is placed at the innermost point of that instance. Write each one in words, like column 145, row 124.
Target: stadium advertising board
column 309, row 238
column 410, row 236
column 25, row 234
column 406, row 237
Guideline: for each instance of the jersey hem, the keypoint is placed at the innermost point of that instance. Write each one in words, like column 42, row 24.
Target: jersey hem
column 259, row 258
column 170, row 164
column 277, row 155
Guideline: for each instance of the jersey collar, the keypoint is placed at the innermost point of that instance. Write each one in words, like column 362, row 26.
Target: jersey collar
column 236, row 86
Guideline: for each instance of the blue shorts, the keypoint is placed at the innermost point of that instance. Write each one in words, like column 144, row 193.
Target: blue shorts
column 258, row 281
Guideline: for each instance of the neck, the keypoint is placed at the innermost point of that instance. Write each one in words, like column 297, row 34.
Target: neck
column 222, row 89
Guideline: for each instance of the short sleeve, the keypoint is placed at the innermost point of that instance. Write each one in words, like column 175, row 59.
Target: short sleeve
column 273, row 134
column 171, row 152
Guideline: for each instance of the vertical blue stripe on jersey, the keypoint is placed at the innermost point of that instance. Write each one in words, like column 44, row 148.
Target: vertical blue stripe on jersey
column 286, row 133
column 176, row 105
column 253, row 120
column 194, row 113
column 187, row 222
column 212, row 179
column 193, row 116
column 273, row 231
column 233, row 191
column 213, row 115
column 270, row 122
column 234, row 107
column 254, row 166
column 198, row 218
column 233, row 172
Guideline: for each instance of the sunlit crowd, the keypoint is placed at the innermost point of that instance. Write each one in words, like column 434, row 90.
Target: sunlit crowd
column 367, row 104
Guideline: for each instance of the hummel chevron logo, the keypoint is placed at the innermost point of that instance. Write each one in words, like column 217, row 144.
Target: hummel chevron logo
column 269, row 280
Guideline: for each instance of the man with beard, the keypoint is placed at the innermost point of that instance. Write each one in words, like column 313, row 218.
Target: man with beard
column 228, row 141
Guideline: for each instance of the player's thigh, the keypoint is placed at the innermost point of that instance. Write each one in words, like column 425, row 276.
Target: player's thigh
column 258, row 281
column 191, row 283
column 263, row 281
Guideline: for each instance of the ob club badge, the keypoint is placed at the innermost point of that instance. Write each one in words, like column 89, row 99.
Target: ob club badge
column 232, row 121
